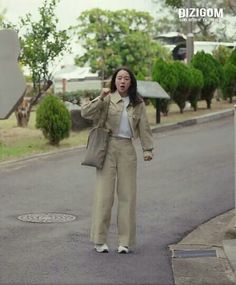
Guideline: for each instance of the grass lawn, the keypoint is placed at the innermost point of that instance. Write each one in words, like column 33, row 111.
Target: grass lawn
column 18, row 142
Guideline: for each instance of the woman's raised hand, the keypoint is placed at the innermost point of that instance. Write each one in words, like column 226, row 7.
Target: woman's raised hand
column 104, row 92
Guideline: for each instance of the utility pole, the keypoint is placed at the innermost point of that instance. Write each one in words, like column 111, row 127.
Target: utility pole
column 189, row 43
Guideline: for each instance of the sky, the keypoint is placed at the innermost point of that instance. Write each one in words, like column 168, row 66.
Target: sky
column 69, row 10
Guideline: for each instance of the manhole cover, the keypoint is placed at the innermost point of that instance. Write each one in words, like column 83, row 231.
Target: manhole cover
column 47, row 218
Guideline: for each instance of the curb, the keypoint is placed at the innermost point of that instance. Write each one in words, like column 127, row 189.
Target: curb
column 193, row 121
column 155, row 129
column 41, row 155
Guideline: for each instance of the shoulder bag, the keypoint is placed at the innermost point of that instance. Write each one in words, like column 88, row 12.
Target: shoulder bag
column 97, row 143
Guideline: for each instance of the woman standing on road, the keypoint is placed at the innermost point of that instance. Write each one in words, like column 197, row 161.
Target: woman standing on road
column 126, row 119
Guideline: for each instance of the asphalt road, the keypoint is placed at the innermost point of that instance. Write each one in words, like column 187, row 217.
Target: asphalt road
column 190, row 180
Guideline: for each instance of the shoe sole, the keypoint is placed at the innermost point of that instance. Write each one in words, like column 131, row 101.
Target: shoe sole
column 123, row 252
column 103, row 251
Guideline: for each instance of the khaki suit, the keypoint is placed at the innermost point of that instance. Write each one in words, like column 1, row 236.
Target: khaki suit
column 119, row 170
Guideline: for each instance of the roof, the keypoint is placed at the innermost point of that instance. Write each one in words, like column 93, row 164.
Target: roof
column 74, row 72
column 151, row 89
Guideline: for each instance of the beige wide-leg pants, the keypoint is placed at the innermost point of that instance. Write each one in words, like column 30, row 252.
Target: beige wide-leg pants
column 118, row 173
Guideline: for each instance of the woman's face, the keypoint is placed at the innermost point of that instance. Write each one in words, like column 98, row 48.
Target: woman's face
column 123, row 82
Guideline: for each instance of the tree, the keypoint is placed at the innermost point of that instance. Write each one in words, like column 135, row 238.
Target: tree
column 195, row 87
column 232, row 57
column 212, row 74
column 114, row 38
column 229, row 77
column 166, row 76
column 184, row 79
column 53, row 118
column 229, row 82
column 41, row 44
column 222, row 54
column 203, row 29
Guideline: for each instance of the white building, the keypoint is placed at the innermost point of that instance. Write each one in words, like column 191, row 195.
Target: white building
column 72, row 78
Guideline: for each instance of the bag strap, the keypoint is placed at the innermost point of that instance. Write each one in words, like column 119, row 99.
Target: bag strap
column 102, row 121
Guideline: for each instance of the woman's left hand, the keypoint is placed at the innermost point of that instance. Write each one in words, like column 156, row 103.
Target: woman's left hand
column 147, row 155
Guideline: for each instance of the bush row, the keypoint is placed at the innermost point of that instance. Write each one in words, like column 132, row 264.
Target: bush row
column 196, row 81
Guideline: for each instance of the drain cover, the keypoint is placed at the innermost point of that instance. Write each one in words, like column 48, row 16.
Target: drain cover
column 47, row 218
column 194, row 253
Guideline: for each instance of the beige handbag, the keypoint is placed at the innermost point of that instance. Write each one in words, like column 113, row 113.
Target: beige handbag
column 97, row 144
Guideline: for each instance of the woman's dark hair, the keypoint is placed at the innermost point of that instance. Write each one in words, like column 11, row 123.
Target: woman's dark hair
column 134, row 97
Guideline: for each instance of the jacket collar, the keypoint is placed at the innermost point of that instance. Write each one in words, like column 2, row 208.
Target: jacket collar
column 115, row 97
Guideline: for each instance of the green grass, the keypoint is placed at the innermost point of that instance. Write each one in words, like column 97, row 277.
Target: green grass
column 18, row 142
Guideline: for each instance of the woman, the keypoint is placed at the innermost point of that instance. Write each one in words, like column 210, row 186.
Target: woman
column 126, row 119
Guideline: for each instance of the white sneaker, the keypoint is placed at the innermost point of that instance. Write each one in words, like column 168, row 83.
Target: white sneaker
column 123, row 249
column 101, row 248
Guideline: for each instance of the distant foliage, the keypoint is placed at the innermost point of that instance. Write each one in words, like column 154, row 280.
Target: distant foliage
column 75, row 96
column 53, row 119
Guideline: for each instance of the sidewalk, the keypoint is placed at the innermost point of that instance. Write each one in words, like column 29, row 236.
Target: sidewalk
column 208, row 254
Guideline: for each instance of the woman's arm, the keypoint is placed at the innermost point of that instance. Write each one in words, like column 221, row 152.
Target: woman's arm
column 91, row 109
column 145, row 134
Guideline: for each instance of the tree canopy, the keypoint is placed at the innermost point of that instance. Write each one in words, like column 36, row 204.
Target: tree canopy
column 113, row 38
column 42, row 42
column 203, row 29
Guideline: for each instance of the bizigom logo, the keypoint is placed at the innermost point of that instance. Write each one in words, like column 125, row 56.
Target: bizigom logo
column 198, row 14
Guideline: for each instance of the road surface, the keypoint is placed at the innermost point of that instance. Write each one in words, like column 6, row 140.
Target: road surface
column 190, row 180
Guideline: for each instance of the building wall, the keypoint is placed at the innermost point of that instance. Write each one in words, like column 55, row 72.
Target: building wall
column 74, row 85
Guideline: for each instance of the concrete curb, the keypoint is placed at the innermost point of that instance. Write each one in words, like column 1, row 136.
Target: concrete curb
column 193, row 121
column 155, row 129
column 41, row 155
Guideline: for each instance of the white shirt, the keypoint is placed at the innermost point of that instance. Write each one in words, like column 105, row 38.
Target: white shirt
column 125, row 130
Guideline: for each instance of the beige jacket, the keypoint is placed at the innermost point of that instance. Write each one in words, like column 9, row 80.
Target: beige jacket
column 95, row 110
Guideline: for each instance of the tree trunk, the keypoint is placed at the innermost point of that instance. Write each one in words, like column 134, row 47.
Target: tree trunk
column 23, row 110
column 208, row 104
column 22, row 113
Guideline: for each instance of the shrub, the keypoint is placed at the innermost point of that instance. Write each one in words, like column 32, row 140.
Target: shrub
column 184, row 82
column 229, row 81
column 212, row 74
column 53, row 119
column 232, row 57
column 165, row 75
column 222, row 54
column 195, row 87
column 75, row 96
